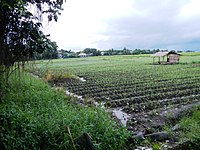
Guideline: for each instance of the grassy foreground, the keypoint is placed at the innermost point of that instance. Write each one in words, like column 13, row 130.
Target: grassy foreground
column 35, row 116
column 191, row 129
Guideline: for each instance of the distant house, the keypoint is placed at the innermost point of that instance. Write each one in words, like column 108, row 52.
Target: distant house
column 82, row 55
column 170, row 57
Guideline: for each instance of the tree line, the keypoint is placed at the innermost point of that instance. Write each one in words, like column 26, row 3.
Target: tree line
column 94, row 52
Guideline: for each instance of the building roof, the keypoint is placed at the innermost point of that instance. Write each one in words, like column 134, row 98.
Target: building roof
column 161, row 54
column 82, row 54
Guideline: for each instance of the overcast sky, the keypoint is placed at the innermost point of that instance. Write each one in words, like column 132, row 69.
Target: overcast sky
column 144, row 24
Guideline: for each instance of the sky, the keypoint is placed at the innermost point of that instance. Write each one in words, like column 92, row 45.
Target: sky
column 144, row 24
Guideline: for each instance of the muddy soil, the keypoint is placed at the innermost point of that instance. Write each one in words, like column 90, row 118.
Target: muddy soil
column 145, row 123
column 155, row 120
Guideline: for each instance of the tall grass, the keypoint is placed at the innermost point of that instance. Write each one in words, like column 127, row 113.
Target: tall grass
column 191, row 129
column 35, row 116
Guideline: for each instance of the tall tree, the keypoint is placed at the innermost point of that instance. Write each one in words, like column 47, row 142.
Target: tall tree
column 20, row 29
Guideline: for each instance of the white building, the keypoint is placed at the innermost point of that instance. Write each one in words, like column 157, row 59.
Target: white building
column 82, row 55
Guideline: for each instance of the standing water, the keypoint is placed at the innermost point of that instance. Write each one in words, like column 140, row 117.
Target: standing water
column 122, row 116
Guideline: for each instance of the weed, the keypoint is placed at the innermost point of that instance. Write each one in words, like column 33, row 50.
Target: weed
column 190, row 129
column 156, row 146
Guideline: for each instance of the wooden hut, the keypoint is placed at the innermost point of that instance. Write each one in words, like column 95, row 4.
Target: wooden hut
column 166, row 57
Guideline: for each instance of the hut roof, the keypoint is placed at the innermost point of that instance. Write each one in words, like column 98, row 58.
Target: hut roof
column 161, row 54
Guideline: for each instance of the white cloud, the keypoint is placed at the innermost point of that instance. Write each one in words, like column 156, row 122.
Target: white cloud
column 133, row 24
column 190, row 9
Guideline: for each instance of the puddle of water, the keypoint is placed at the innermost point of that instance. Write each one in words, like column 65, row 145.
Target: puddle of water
column 143, row 148
column 122, row 116
column 74, row 95
column 81, row 79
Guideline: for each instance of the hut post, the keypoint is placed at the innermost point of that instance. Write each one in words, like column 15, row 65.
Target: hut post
column 153, row 60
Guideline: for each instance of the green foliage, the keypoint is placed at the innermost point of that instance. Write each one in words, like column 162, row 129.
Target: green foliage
column 35, row 116
column 126, row 51
column 56, row 76
column 139, row 51
column 20, row 31
column 92, row 51
column 67, row 54
column 156, row 146
column 50, row 52
column 190, row 129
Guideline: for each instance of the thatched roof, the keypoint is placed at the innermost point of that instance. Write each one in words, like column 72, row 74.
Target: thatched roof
column 161, row 54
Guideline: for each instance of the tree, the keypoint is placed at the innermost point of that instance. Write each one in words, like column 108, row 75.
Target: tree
column 92, row 51
column 20, row 30
column 50, row 52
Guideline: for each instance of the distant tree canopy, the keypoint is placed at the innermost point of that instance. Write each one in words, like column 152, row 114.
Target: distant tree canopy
column 67, row 54
column 126, row 51
column 92, row 51
column 20, row 30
